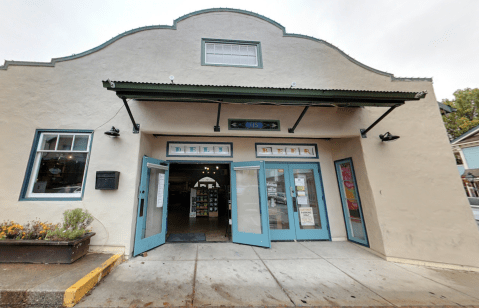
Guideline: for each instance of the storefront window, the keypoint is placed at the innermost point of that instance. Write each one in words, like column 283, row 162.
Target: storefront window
column 350, row 200
column 59, row 166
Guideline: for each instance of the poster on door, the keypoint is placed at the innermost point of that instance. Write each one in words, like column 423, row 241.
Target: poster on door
column 306, row 216
column 161, row 186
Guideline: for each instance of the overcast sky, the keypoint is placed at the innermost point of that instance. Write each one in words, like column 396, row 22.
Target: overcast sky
column 409, row 38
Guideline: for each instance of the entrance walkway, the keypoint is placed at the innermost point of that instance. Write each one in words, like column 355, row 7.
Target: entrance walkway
column 288, row 274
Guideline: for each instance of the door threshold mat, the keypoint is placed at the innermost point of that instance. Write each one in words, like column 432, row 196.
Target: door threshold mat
column 187, row 237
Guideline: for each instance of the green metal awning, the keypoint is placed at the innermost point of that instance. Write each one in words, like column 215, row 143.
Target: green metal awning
column 143, row 91
column 258, row 95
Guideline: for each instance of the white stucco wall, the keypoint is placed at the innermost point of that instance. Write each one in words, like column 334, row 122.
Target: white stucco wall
column 418, row 209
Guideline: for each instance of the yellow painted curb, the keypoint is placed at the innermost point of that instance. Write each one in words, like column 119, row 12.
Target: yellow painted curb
column 74, row 293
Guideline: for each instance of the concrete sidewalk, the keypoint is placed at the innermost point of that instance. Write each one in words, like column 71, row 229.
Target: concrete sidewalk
column 288, row 274
column 43, row 285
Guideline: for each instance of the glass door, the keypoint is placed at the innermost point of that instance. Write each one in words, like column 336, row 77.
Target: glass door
column 152, row 205
column 308, row 202
column 249, row 204
column 280, row 209
column 296, row 204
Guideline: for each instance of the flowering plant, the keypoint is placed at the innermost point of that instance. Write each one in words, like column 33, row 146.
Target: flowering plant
column 75, row 223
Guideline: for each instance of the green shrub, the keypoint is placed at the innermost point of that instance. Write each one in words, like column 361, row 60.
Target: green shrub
column 75, row 223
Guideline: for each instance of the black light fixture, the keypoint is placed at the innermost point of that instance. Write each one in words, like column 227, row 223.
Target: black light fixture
column 388, row 137
column 113, row 132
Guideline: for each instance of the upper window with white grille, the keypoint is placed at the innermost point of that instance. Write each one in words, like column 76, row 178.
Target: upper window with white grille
column 58, row 165
column 231, row 53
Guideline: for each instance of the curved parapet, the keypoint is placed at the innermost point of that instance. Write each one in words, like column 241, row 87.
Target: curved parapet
column 213, row 10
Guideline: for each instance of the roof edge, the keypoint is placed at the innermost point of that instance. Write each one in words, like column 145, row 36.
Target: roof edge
column 473, row 130
column 131, row 85
column 186, row 16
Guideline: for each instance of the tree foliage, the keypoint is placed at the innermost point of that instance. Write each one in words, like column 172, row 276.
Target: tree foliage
column 466, row 102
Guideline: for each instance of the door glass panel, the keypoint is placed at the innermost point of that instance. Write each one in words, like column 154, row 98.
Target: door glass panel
column 248, row 201
column 350, row 191
column 306, row 199
column 154, row 212
column 277, row 204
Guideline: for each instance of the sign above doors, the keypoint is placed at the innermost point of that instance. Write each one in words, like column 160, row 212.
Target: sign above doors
column 244, row 124
column 286, row 150
column 199, row 149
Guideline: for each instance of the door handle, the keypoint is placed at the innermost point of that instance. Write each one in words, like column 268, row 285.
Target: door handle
column 142, row 203
column 293, row 197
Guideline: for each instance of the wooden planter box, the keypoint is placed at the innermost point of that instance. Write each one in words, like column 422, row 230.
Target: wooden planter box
column 41, row 251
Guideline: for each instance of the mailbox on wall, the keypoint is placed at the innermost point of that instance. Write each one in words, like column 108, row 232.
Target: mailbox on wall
column 107, row 180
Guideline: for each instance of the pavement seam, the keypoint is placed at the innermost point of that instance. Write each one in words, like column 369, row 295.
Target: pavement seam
column 436, row 282
column 194, row 278
column 351, row 277
column 274, row 277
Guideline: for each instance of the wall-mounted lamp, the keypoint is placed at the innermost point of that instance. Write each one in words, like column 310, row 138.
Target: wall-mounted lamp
column 113, row 132
column 388, row 137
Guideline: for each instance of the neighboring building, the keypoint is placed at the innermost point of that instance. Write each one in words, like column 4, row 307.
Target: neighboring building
column 274, row 118
column 466, row 150
column 445, row 109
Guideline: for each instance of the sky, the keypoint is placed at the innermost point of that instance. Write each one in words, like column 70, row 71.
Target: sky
column 408, row 38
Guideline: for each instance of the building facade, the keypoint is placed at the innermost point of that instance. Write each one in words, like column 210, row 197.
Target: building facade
column 273, row 118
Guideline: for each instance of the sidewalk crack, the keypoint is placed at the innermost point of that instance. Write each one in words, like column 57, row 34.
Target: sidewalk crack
column 275, row 279
column 194, row 278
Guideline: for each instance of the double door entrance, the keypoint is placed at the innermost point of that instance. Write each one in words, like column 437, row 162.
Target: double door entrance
column 295, row 202
column 270, row 201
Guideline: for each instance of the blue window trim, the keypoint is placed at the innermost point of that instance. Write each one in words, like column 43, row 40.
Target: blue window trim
column 259, row 56
column 297, row 144
column 31, row 160
column 183, row 142
column 343, row 206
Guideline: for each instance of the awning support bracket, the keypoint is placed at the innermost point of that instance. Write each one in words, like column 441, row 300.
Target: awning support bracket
column 217, row 126
column 136, row 127
column 365, row 131
column 291, row 130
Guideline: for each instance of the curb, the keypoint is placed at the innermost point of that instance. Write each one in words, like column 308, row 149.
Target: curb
column 76, row 292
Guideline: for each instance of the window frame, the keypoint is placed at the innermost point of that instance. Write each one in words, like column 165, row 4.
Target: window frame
column 257, row 44
column 26, row 193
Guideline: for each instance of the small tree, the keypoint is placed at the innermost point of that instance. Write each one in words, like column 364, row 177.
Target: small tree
column 466, row 102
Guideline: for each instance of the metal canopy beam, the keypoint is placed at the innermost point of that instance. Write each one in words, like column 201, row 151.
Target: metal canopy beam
column 136, row 127
column 217, row 126
column 365, row 131
column 259, row 95
column 291, row 130
column 258, row 99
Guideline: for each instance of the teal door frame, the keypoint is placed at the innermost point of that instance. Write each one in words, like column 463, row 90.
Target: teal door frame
column 144, row 244
column 255, row 239
column 350, row 234
column 286, row 234
column 295, row 232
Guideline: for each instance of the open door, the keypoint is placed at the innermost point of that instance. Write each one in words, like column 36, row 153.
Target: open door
column 152, row 205
column 249, row 204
